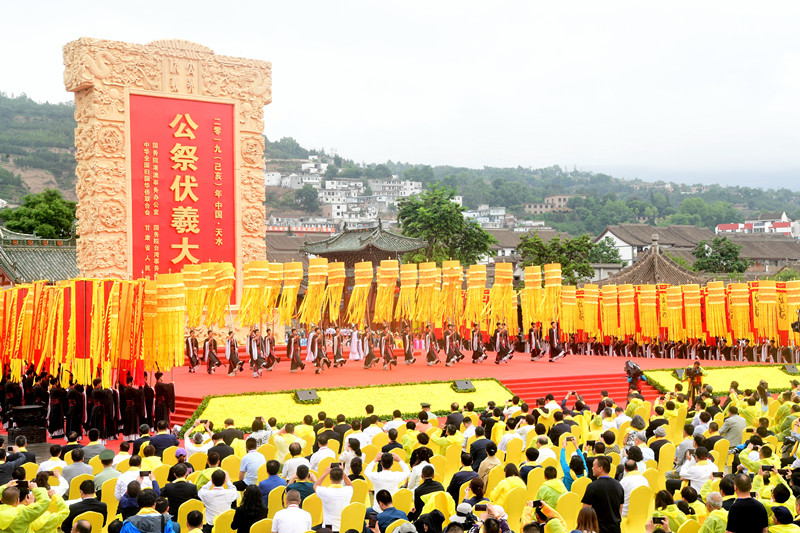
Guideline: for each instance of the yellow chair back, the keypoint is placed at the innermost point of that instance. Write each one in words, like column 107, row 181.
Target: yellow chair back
column 123, row 466
column 168, row 457
column 222, row 523
column 380, row 440
column 579, row 485
column 721, row 447
column 187, row 507
column 403, row 499
column 369, row 452
column 268, row 451
column 198, row 461
column 568, row 506
column 162, row 472
column 74, row 485
column 275, row 501
column 513, row 452
column 360, row 491
column 107, row 496
column 496, row 475
column 32, row 468
column 231, row 465
column 313, row 504
column 666, row 458
column 94, row 518
column 535, row 481
column 394, row 525
column 690, row 526
column 638, row 510
column 262, row 526
column 515, row 503
column 353, row 516
column 94, row 462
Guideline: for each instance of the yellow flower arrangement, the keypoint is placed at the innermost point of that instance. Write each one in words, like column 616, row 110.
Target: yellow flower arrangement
column 720, row 378
column 349, row 401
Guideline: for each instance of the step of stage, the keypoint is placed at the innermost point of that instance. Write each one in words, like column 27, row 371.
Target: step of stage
column 590, row 386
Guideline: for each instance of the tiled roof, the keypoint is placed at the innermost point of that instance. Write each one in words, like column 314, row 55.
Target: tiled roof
column 773, row 247
column 282, row 248
column 27, row 258
column 670, row 236
column 653, row 267
column 771, row 216
column 350, row 241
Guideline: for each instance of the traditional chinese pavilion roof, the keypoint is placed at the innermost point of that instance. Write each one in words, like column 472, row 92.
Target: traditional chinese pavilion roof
column 27, row 258
column 370, row 244
column 652, row 268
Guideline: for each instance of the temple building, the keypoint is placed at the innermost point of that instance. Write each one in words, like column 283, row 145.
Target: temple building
column 27, row 258
column 369, row 244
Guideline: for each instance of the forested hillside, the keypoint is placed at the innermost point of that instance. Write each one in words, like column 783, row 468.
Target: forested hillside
column 36, row 144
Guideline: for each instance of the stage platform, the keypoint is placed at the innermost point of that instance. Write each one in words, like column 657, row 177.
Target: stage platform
column 589, row 374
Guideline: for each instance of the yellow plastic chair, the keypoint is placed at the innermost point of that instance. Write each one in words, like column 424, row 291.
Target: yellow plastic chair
column 638, row 510
column 325, row 462
column 262, row 473
column 394, row 525
column 313, row 504
column 192, row 478
column 94, row 518
column 189, row 506
column 262, row 526
column 107, row 496
column 275, row 501
column 690, row 526
column 198, row 460
column 162, row 472
column 74, row 485
column 353, row 517
column 535, row 481
column 496, row 475
column 439, row 463
column 268, row 451
column 231, row 465
column 513, row 452
column 168, row 457
column 403, row 499
column 452, row 457
column 369, row 451
column 31, row 470
column 515, row 503
column 579, row 485
column 651, row 463
column 380, row 440
column 222, row 523
column 654, row 479
column 568, row 506
column 68, row 458
column 722, row 447
column 334, row 445
column 123, row 466
column 666, row 458
column 360, row 492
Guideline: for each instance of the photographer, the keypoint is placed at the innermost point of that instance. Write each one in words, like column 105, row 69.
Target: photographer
column 694, row 374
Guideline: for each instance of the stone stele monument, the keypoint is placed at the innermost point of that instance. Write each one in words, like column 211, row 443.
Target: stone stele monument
column 170, row 156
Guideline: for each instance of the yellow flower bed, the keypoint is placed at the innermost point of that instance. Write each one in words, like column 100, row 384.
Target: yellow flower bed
column 350, row 402
column 720, row 378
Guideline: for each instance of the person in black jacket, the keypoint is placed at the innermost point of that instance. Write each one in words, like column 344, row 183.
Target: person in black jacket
column 462, row 476
column 220, row 447
column 7, row 466
column 455, row 417
column 179, row 491
column 427, row 486
column 478, row 448
column 89, row 502
column 230, row 432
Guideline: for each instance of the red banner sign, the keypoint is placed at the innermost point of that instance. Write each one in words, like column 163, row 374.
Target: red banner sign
column 182, row 184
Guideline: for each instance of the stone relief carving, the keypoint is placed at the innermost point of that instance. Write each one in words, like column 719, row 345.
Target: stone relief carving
column 100, row 72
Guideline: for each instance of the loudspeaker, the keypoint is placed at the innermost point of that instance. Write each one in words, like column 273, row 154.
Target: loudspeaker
column 791, row 369
column 306, row 395
column 464, row 384
column 679, row 372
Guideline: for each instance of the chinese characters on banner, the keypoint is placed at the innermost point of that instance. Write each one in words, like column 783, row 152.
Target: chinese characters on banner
column 182, row 184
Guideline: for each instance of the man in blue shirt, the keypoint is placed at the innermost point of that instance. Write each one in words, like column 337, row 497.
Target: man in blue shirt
column 273, row 480
column 251, row 462
column 163, row 439
column 388, row 512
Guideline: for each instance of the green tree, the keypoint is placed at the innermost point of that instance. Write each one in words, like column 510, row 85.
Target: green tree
column 46, row 214
column 332, row 171
column 433, row 216
column 573, row 254
column 308, row 198
column 721, row 256
column 605, row 252
column 786, row 274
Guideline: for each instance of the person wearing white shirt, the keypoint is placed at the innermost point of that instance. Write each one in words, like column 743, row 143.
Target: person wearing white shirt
column 423, row 458
column 292, row 519
column 640, row 441
column 525, row 426
column 199, row 442
column 132, row 475
column 633, row 479
column 552, row 404
column 544, row 451
column 54, row 461
column 509, row 410
column 335, row 497
column 503, row 446
column 124, row 448
column 469, row 431
column 386, row 478
column 698, row 469
column 621, row 417
column 290, row 467
column 321, row 453
column 216, row 497
column 371, row 430
column 395, row 422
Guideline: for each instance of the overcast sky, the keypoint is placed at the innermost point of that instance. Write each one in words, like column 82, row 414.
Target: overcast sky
column 686, row 91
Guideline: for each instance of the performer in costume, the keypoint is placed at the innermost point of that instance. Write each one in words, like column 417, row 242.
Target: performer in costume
column 311, row 345
column 293, row 350
column 191, row 351
column 338, row 348
column 355, row 345
column 75, row 410
column 408, row 345
column 256, row 353
column 476, row 345
column 368, row 347
column 535, row 343
column 502, row 346
column 165, row 399
column 269, row 350
column 388, row 349
column 97, row 414
column 210, row 353
column 431, row 347
column 322, row 360
column 56, row 413
column 133, row 410
column 556, row 351
column 149, row 395
column 232, row 355
column 452, row 346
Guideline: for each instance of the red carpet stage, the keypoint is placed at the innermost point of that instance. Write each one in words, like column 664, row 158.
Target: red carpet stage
column 586, row 374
